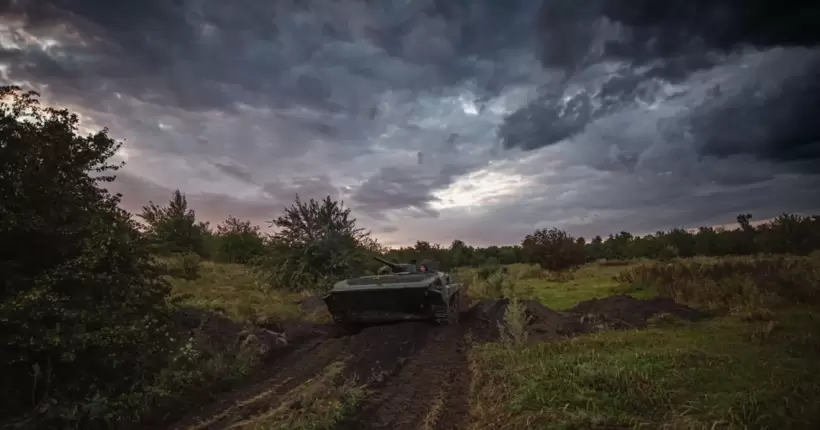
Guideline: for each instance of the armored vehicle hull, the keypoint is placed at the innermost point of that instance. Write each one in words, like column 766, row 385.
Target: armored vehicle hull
column 395, row 297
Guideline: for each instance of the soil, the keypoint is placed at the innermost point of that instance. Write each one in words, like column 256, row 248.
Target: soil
column 416, row 373
column 626, row 312
column 313, row 304
column 543, row 323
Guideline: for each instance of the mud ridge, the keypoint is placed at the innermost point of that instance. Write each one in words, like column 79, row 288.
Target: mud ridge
column 618, row 312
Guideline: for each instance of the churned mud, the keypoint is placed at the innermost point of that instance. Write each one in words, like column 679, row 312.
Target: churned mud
column 414, row 375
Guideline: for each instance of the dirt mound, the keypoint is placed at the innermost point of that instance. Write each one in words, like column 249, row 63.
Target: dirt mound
column 627, row 312
column 313, row 304
column 543, row 323
column 219, row 334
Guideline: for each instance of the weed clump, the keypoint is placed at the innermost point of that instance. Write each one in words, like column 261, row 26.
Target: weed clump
column 513, row 330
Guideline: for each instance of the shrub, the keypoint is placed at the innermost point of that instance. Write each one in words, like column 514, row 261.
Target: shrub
column 83, row 305
column 237, row 241
column 317, row 244
column 487, row 271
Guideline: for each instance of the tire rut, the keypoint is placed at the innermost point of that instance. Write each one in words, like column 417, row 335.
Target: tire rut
column 301, row 365
column 429, row 391
column 416, row 375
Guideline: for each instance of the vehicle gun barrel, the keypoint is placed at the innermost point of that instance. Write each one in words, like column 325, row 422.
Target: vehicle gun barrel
column 388, row 263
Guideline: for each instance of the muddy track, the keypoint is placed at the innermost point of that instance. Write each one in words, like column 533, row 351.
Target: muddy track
column 415, row 373
column 429, row 391
column 270, row 385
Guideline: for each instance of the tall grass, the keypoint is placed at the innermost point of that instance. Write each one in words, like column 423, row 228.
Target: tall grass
column 731, row 284
column 500, row 282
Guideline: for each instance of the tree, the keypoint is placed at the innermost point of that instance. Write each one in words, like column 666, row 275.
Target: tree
column 317, row 243
column 238, row 241
column 81, row 304
column 460, row 254
column 174, row 227
column 553, row 249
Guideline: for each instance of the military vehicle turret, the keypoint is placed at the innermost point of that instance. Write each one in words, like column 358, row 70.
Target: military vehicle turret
column 400, row 292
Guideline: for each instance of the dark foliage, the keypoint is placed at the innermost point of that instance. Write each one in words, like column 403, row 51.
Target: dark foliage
column 553, row 249
column 238, row 241
column 317, row 243
column 174, row 228
column 82, row 313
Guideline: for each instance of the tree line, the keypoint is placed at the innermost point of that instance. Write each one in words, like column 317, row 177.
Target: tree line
column 320, row 238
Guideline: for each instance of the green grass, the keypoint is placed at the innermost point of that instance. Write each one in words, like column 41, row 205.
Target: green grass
column 561, row 291
column 728, row 373
column 751, row 369
column 589, row 282
column 233, row 290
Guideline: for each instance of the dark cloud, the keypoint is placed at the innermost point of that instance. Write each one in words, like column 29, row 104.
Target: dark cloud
column 477, row 120
column 402, row 188
column 389, row 229
column 235, row 171
column 652, row 46
column 684, row 31
column 317, row 187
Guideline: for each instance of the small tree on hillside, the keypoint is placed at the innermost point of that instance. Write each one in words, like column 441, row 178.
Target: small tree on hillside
column 174, row 228
column 82, row 307
column 239, row 241
column 553, row 249
column 317, row 243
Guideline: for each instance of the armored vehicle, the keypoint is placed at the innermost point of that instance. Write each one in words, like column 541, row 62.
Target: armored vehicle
column 400, row 292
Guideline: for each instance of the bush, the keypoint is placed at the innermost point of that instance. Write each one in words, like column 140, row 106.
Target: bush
column 317, row 244
column 237, row 241
column 83, row 306
column 487, row 271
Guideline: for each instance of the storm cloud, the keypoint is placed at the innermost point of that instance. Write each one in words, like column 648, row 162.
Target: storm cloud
column 443, row 119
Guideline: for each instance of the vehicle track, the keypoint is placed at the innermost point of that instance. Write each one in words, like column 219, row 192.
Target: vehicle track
column 299, row 366
column 415, row 373
column 429, row 392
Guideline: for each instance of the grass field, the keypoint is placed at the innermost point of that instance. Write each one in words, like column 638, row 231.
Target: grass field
column 748, row 368
column 752, row 365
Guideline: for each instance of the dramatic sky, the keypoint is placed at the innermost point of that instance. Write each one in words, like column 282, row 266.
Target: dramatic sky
column 441, row 119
